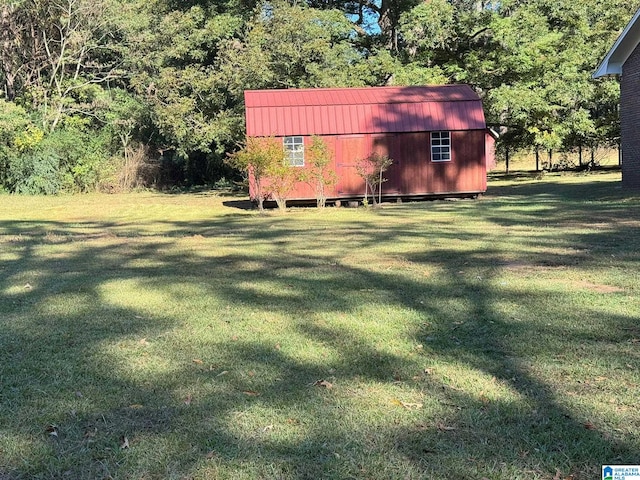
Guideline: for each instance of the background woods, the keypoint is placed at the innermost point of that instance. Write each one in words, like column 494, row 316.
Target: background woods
column 118, row 93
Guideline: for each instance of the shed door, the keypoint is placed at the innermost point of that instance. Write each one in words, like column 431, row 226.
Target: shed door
column 349, row 149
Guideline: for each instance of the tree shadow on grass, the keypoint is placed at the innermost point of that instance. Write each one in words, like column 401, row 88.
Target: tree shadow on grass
column 249, row 401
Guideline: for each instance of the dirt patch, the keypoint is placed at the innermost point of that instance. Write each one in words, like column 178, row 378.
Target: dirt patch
column 533, row 267
column 597, row 287
column 528, row 268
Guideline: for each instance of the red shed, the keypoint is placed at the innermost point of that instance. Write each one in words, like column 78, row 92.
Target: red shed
column 436, row 135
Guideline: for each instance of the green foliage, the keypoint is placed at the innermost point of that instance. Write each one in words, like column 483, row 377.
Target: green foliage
column 293, row 46
column 259, row 158
column 282, row 177
column 83, row 157
column 14, row 122
column 171, row 75
column 427, row 27
column 36, row 172
column 531, row 62
column 267, row 166
column 318, row 171
column 28, row 139
column 68, row 159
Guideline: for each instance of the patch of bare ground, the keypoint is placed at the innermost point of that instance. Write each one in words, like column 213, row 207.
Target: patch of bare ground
column 525, row 267
column 534, row 267
column 602, row 225
column 596, row 287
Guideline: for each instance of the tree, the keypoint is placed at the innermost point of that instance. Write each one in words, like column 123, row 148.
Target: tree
column 296, row 47
column 318, row 172
column 58, row 55
column 257, row 159
column 374, row 18
column 530, row 61
column 372, row 169
column 282, row 176
column 14, row 123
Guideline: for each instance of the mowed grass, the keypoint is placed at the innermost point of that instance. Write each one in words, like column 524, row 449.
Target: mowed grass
column 151, row 336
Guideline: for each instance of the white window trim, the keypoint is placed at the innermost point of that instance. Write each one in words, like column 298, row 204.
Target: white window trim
column 440, row 146
column 294, row 147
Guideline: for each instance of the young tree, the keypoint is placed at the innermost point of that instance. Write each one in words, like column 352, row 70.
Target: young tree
column 255, row 159
column 318, row 172
column 282, row 177
column 372, row 169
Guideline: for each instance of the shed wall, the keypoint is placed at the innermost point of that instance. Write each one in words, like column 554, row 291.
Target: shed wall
column 413, row 172
column 629, row 120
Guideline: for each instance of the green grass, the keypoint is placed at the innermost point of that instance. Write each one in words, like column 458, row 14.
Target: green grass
column 495, row 339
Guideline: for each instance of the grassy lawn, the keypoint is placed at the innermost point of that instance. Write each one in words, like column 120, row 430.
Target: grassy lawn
column 153, row 336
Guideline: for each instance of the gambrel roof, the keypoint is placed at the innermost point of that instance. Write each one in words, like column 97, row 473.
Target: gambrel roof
column 344, row 111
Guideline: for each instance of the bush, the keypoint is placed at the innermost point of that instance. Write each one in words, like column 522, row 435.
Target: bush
column 34, row 173
column 83, row 157
column 260, row 158
column 372, row 169
column 138, row 170
column 319, row 173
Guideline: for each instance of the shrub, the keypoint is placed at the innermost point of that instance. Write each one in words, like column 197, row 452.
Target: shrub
column 372, row 169
column 261, row 159
column 138, row 169
column 83, row 157
column 318, row 173
column 34, row 173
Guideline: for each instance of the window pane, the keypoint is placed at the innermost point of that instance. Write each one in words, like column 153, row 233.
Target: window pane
column 440, row 146
column 294, row 147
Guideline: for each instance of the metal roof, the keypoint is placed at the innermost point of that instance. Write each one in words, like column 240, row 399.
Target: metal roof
column 343, row 111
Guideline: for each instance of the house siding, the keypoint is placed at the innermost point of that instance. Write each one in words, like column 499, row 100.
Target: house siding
column 630, row 120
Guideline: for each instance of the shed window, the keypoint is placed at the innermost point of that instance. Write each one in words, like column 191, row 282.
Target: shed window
column 294, row 147
column 440, row 146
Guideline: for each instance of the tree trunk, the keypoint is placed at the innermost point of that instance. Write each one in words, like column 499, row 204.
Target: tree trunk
column 580, row 155
column 388, row 25
column 7, row 51
column 537, row 160
column 507, row 159
column 619, row 155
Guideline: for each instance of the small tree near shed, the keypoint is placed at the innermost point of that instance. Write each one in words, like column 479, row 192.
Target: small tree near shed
column 257, row 159
column 282, row 177
column 318, row 173
column 372, row 169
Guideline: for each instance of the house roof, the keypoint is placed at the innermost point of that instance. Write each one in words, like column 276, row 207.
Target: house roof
column 342, row 111
column 621, row 50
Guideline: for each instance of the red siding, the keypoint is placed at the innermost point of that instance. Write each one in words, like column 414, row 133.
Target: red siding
column 396, row 121
column 413, row 172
